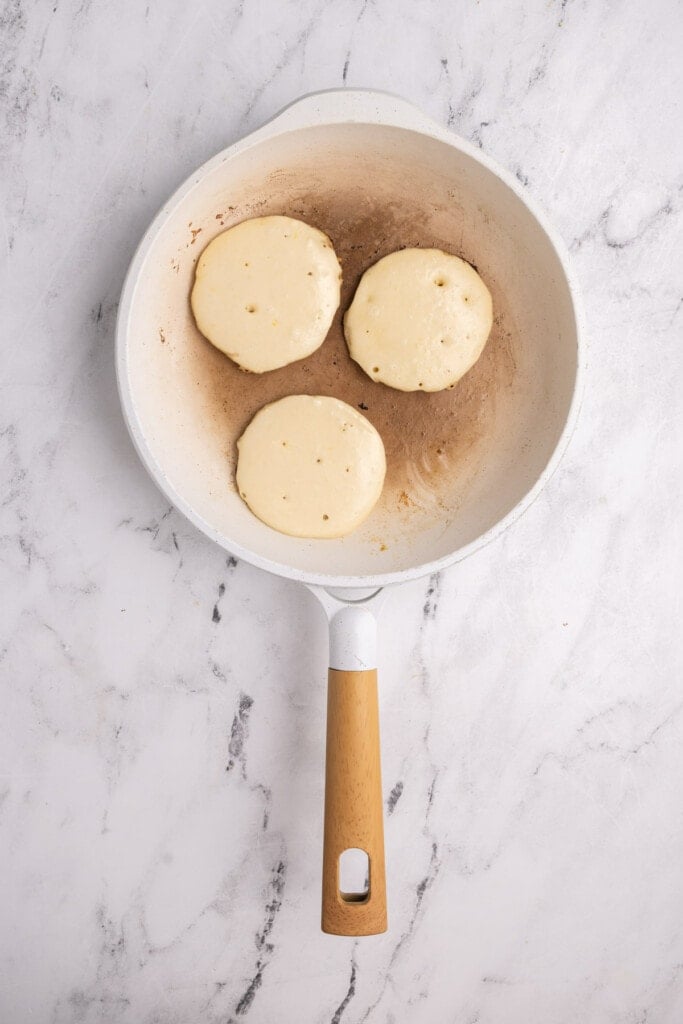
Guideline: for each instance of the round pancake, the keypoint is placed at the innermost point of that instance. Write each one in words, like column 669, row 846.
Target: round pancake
column 419, row 320
column 310, row 466
column 266, row 291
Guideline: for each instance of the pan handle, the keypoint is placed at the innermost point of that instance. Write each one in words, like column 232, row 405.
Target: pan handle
column 353, row 784
column 366, row 106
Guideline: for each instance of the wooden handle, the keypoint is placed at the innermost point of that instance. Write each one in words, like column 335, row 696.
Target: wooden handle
column 353, row 803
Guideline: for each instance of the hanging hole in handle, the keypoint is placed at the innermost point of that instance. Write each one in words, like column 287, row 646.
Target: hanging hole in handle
column 354, row 875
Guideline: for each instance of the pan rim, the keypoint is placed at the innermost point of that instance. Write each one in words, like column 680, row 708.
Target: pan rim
column 421, row 124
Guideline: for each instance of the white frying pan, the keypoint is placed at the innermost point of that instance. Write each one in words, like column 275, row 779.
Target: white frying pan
column 358, row 151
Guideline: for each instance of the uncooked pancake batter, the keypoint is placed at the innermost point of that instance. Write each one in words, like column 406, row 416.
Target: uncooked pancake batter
column 266, row 291
column 310, row 466
column 419, row 320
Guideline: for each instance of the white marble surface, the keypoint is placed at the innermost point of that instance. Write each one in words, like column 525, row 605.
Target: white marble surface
column 163, row 709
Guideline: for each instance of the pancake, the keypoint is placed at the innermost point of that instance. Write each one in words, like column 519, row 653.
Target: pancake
column 310, row 466
column 266, row 291
column 419, row 320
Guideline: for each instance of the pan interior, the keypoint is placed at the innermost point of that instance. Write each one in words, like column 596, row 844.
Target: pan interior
column 458, row 461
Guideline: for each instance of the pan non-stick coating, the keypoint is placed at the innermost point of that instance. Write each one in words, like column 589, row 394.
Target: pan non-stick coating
column 459, row 462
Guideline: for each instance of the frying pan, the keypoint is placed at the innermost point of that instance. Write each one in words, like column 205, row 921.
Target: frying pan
column 376, row 174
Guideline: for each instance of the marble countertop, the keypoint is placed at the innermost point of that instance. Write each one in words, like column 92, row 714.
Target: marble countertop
column 162, row 726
